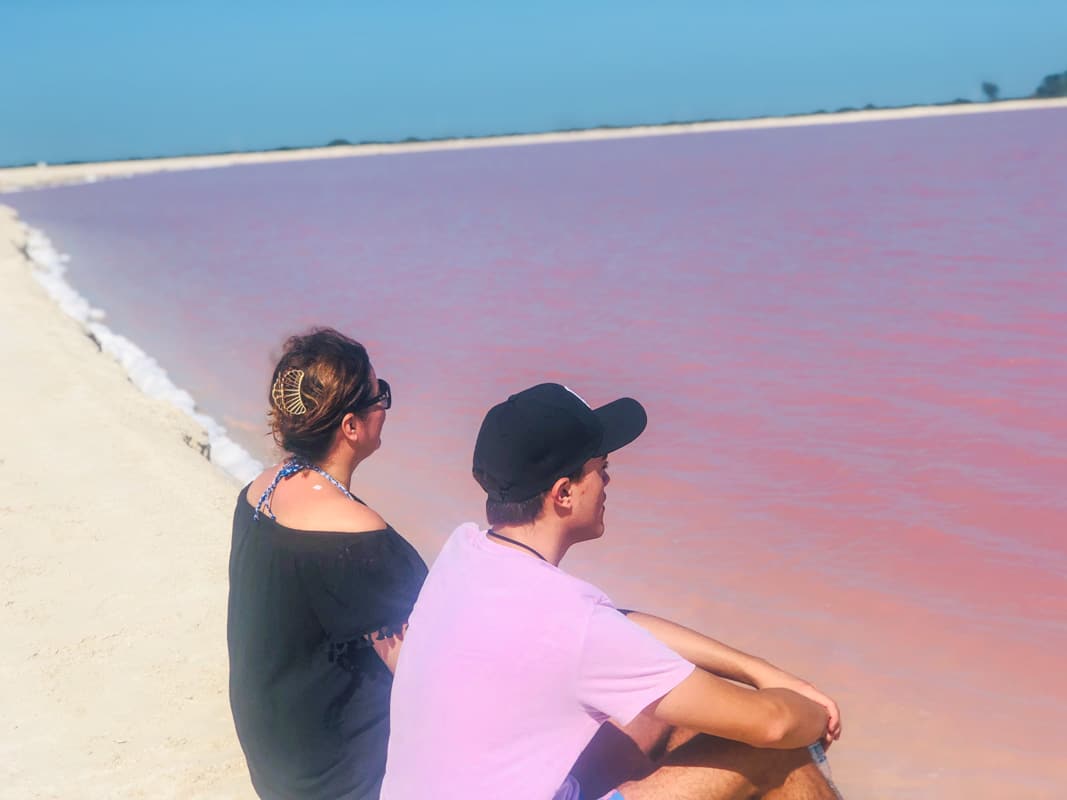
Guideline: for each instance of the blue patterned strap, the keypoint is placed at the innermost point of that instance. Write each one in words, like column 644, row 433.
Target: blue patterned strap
column 292, row 467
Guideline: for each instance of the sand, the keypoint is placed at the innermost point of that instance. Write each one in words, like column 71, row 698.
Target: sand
column 115, row 534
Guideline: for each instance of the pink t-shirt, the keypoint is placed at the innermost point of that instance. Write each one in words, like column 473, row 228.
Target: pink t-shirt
column 508, row 668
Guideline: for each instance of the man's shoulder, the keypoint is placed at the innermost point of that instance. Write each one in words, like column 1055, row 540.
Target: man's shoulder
column 458, row 547
column 468, row 554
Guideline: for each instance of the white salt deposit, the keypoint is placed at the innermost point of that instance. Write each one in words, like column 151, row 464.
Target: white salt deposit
column 143, row 370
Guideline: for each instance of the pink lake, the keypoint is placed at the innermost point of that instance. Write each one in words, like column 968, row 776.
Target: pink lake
column 851, row 340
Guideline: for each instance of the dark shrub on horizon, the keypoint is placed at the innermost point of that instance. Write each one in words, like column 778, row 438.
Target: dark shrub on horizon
column 1053, row 86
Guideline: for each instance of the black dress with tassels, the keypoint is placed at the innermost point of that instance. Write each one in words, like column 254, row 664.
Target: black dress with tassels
column 310, row 697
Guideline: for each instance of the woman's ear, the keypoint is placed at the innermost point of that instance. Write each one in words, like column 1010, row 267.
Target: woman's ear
column 351, row 427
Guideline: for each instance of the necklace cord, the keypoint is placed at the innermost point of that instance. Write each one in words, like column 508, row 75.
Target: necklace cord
column 503, row 538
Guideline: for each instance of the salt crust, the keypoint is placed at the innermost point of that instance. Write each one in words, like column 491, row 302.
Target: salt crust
column 143, row 370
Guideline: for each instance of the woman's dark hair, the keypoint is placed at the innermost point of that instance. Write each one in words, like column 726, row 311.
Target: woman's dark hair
column 321, row 376
column 523, row 512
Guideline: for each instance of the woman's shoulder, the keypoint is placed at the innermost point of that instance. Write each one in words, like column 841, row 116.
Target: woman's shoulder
column 353, row 517
column 260, row 483
column 305, row 502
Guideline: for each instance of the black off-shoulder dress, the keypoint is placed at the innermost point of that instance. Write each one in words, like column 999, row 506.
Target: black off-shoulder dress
column 310, row 697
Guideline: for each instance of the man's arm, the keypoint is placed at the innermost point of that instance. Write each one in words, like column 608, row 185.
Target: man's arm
column 726, row 662
column 772, row 718
column 707, row 653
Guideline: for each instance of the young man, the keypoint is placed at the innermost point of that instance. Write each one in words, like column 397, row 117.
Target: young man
column 511, row 667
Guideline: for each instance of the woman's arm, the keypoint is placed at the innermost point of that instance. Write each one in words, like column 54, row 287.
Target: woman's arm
column 388, row 649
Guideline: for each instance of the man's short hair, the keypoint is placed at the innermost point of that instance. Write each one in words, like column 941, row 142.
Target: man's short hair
column 522, row 512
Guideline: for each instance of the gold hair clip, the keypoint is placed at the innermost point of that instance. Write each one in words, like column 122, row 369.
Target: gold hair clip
column 286, row 392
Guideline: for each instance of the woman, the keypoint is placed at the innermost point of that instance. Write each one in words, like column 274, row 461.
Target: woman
column 320, row 586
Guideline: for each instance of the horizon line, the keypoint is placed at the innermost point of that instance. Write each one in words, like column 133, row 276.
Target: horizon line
column 43, row 174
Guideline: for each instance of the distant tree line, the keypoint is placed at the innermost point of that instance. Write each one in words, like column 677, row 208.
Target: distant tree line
column 1054, row 85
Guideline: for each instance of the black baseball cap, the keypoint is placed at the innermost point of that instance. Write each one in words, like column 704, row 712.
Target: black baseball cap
column 545, row 432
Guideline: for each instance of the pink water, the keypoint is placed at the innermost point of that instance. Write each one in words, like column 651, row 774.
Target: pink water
column 851, row 339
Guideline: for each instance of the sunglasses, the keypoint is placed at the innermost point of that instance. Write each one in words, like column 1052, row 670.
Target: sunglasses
column 384, row 396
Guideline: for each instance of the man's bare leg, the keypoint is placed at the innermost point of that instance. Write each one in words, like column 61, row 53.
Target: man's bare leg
column 709, row 768
column 649, row 760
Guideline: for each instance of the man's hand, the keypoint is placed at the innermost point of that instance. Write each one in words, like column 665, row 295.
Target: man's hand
column 772, row 677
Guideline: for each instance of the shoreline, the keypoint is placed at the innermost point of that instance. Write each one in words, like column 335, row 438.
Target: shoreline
column 113, row 674
column 14, row 179
column 48, row 268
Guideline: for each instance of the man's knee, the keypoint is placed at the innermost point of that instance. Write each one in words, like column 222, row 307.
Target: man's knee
column 772, row 768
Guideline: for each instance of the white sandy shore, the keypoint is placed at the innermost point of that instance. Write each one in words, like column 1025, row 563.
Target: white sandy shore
column 115, row 539
column 14, row 179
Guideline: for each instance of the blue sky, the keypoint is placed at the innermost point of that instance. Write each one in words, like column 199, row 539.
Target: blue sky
column 97, row 79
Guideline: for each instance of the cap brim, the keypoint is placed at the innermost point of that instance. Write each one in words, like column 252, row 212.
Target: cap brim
column 623, row 421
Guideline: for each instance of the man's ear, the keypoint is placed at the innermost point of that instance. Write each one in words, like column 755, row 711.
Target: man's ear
column 561, row 492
